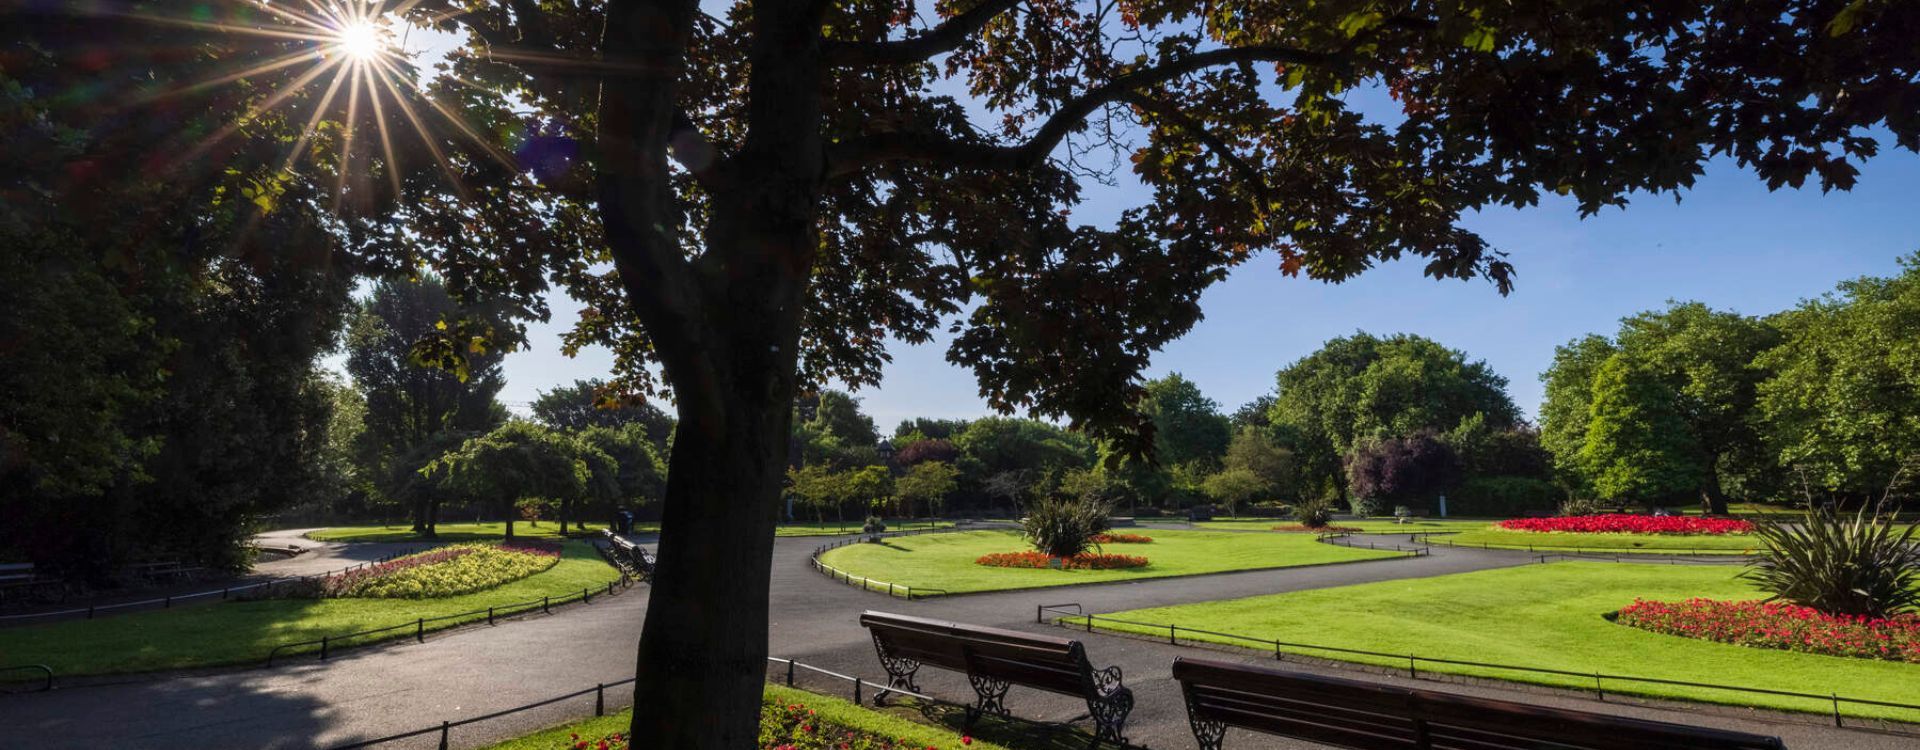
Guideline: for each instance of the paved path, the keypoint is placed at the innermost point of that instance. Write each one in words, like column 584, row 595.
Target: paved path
column 384, row 690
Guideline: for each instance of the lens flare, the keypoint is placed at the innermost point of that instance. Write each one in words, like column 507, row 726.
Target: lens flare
column 360, row 40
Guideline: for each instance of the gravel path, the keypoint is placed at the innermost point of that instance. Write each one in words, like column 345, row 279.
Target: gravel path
column 378, row 691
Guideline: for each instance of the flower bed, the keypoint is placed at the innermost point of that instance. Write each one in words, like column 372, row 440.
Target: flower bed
column 1082, row 561
column 1783, row 626
column 1321, row 530
column 1122, row 539
column 444, row 571
column 1624, row 523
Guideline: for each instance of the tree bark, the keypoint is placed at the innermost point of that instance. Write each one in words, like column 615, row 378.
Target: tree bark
column 1713, row 499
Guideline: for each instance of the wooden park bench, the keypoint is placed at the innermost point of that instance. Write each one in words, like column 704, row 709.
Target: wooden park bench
column 21, row 577
column 1355, row 714
column 154, row 570
column 627, row 556
column 994, row 660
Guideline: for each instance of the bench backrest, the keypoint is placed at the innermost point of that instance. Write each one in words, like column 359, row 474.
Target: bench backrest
column 1045, row 662
column 1350, row 713
column 16, row 568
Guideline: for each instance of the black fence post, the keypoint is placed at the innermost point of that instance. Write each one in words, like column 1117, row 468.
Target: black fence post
column 1172, row 634
column 1598, row 691
column 600, row 699
column 89, row 611
column 789, row 673
column 323, row 646
column 586, row 597
column 856, row 691
column 420, row 630
column 443, row 735
column 1836, row 709
column 169, row 604
column 546, row 604
column 489, row 615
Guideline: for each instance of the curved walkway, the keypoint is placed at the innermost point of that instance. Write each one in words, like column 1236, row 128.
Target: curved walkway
column 384, row 690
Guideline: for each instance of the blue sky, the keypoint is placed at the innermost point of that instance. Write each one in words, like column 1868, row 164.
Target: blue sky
column 1729, row 243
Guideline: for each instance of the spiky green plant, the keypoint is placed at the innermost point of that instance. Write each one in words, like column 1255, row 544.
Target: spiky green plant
column 1063, row 527
column 1314, row 512
column 1863, row 565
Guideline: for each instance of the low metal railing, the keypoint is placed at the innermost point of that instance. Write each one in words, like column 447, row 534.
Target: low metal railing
column 166, row 602
column 1413, row 662
column 46, row 683
column 599, row 693
column 1426, row 537
column 1336, row 537
column 492, row 614
column 869, row 584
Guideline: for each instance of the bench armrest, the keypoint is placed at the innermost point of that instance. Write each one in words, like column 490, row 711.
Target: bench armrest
column 1107, row 681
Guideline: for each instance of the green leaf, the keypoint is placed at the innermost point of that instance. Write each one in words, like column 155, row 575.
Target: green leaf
column 1357, row 22
column 1480, row 39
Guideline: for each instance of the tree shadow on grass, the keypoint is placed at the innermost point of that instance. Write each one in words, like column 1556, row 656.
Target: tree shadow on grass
column 1007, row 731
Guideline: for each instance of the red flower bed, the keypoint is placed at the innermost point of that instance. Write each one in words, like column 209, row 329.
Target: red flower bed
column 1624, row 523
column 1122, row 539
column 1321, row 530
column 340, row 583
column 1082, row 561
column 1783, row 626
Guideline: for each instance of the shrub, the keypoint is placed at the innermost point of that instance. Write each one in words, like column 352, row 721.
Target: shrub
column 1364, row 507
column 1622, row 523
column 1111, row 538
column 1082, row 561
column 1503, row 497
column 1782, row 626
column 1314, row 513
column 1856, row 566
column 874, row 525
column 1321, row 529
column 1064, row 527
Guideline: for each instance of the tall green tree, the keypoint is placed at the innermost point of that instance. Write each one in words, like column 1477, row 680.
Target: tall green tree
column 524, row 460
column 1365, row 387
column 1638, row 446
column 1254, row 451
column 1704, row 359
column 410, row 405
column 762, row 193
column 592, row 403
column 1567, row 408
column 1841, row 401
column 927, row 484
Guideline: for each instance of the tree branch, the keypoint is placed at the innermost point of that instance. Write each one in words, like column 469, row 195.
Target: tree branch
column 940, row 39
column 946, row 151
column 1200, row 133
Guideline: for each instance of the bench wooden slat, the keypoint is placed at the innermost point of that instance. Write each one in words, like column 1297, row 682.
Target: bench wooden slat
column 1352, row 713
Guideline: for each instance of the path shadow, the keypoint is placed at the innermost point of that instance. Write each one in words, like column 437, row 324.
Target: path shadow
column 229, row 711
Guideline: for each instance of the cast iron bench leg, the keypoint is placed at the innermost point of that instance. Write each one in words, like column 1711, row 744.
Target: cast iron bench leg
column 992, row 693
column 900, row 672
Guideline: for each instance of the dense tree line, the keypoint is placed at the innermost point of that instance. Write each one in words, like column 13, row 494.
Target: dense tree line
column 1690, row 404
column 158, row 333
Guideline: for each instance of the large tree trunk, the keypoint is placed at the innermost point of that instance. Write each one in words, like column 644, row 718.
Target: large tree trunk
column 725, row 327
column 1713, row 499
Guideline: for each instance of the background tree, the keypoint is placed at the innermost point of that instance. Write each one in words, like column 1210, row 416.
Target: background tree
column 1415, row 469
column 927, row 483
column 1703, row 359
column 832, row 194
column 591, row 403
column 1842, row 396
column 1567, row 407
column 1638, row 446
column 523, row 460
column 409, row 404
column 1367, row 387
column 639, row 471
column 1254, row 451
column 1255, row 413
column 1233, row 487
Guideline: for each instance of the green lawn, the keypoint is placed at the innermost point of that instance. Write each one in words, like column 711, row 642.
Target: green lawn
column 1369, row 526
column 1550, row 616
column 921, row 725
column 1730, row 544
column 238, row 632
column 842, row 528
column 448, row 532
column 946, row 561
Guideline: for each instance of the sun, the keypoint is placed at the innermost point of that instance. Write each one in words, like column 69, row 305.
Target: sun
column 359, row 40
